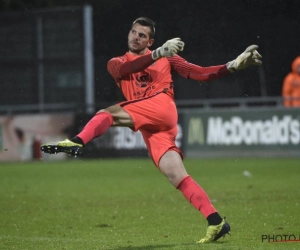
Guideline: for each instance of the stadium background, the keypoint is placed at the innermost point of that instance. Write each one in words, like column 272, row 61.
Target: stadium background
column 214, row 32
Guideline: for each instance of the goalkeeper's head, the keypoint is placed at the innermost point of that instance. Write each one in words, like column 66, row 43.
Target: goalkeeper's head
column 141, row 35
column 147, row 22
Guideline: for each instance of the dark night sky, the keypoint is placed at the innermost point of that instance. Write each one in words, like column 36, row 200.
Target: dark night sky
column 214, row 31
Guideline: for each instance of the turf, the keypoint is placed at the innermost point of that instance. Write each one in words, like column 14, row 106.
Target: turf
column 128, row 204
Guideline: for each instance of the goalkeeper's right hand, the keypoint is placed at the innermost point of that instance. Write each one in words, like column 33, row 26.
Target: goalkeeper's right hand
column 170, row 48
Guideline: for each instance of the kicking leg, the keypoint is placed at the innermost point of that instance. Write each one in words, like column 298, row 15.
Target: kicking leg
column 98, row 125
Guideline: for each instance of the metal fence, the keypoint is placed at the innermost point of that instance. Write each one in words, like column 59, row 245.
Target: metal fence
column 205, row 104
column 46, row 58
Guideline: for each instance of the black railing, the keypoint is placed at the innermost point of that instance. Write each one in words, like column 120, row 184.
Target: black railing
column 230, row 103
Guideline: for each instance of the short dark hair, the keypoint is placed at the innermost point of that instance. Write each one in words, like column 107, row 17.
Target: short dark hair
column 145, row 21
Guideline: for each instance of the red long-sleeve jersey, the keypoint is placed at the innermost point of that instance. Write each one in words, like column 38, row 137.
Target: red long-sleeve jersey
column 148, row 77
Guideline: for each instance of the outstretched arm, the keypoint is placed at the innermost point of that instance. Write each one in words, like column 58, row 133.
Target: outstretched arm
column 191, row 71
column 196, row 72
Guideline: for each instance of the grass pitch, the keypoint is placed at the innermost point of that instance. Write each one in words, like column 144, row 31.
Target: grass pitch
column 127, row 204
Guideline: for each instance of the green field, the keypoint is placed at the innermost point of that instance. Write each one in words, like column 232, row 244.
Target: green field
column 127, row 204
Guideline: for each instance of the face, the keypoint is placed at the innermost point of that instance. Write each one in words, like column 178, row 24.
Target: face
column 139, row 39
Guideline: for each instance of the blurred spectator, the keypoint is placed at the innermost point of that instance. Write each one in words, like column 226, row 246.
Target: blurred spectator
column 291, row 86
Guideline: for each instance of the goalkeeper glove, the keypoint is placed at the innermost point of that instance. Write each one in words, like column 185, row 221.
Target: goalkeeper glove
column 249, row 57
column 170, row 48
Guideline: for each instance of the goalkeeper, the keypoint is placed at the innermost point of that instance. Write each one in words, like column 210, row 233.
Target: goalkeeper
column 144, row 77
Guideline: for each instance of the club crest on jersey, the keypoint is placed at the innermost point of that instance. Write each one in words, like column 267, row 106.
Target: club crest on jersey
column 142, row 79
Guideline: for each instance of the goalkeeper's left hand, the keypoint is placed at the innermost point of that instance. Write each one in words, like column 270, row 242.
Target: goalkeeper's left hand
column 249, row 57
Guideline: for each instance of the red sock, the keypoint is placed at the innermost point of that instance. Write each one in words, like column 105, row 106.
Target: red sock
column 96, row 127
column 196, row 196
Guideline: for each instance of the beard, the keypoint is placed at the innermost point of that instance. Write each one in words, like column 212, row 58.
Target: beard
column 136, row 49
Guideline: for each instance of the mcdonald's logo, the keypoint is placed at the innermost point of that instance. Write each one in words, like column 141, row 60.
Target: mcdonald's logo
column 195, row 131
